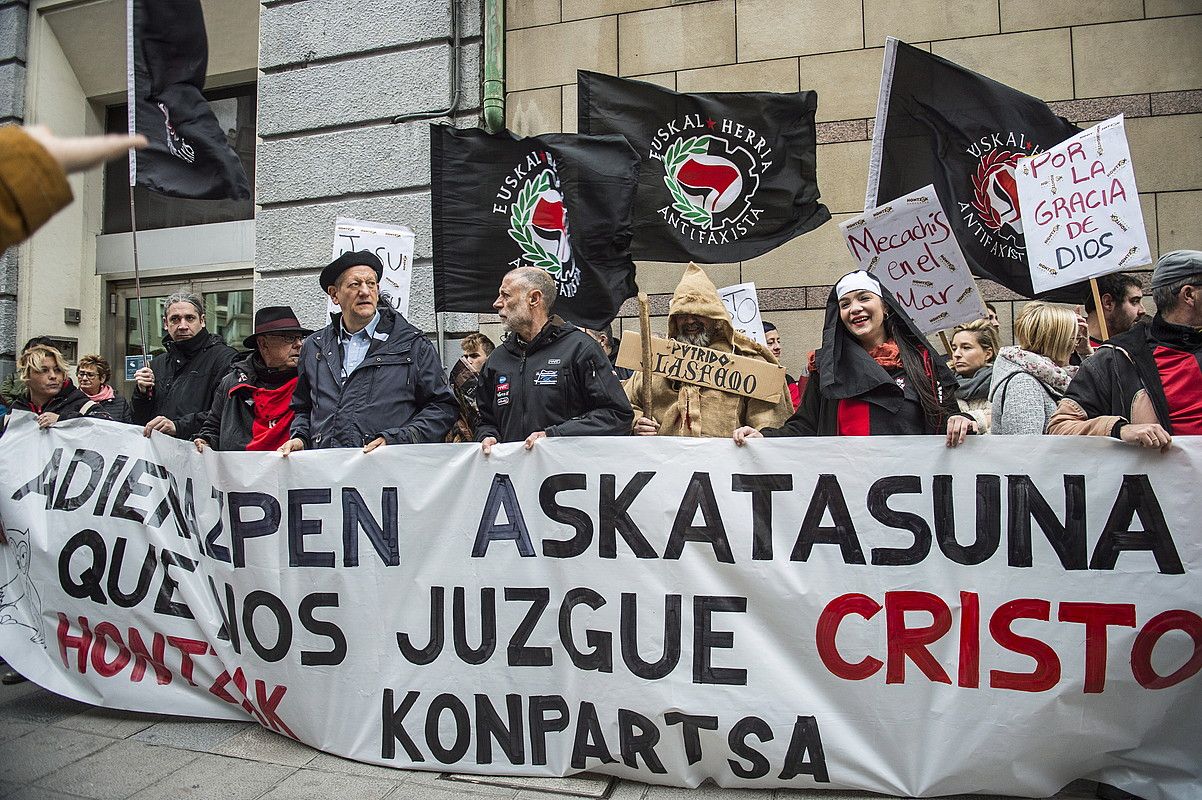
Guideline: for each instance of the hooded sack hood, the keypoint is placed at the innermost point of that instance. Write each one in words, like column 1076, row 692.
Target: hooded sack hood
column 696, row 294
column 846, row 370
column 685, row 409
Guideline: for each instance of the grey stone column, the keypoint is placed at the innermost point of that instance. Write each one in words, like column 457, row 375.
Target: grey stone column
column 14, row 38
column 334, row 73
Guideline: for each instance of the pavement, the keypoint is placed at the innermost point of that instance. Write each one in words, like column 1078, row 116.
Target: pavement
column 52, row 748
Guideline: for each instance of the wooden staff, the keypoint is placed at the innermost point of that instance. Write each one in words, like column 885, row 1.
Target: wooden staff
column 645, row 335
column 1097, row 304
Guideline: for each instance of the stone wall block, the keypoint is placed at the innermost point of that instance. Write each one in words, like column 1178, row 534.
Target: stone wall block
column 923, row 20
column 1155, row 55
column 322, row 29
column 365, row 89
column 551, row 54
column 371, row 159
column 779, row 28
column 669, row 38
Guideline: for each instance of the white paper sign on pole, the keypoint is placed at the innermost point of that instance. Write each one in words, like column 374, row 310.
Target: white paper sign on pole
column 910, row 248
column 744, row 306
column 392, row 243
column 1080, row 209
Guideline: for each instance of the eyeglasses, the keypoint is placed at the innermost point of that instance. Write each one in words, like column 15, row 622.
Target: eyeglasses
column 290, row 338
column 83, row 373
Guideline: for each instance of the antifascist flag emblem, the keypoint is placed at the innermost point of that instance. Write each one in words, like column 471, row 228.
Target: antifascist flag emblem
column 538, row 221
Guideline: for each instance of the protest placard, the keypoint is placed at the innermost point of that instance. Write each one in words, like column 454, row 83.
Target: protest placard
column 910, row 248
column 875, row 613
column 392, row 243
column 703, row 366
column 743, row 304
column 1080, row 208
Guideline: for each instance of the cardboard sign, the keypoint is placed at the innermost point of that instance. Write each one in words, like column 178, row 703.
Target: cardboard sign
column 743, row 305
column 1080, row 208
column 702, row 366
column 909, row 247
column 392, row 243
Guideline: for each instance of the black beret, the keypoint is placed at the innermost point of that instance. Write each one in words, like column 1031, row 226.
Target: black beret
column 358, row 258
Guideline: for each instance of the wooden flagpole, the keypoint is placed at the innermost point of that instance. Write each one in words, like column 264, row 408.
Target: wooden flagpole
column 1097, row 304
column 645, row 334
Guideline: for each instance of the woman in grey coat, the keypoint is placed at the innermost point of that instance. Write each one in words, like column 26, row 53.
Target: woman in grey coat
column 1029, row 380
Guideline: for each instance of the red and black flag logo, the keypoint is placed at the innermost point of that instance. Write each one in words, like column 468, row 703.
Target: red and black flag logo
column 939, row 123
column 726, row 176
column 559, row 202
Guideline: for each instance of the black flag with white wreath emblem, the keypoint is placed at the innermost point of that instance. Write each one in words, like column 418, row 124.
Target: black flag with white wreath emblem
column 940, row 123
column 726, row 176
column 559, row 201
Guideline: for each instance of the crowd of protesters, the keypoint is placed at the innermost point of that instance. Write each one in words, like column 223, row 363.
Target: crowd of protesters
column 371, row 379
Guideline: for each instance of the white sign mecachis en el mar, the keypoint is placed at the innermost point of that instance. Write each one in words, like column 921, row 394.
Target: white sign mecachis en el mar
column 910, row 248
column 1080, row 209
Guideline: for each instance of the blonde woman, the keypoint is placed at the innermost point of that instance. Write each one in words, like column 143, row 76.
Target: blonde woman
column 1030, row 379
column 974, row 348
column 49, row 393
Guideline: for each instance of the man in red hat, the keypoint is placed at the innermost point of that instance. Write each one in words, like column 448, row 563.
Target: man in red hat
column 250, row 409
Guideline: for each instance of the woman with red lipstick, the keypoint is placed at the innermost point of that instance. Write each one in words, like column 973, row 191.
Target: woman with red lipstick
column 49, row 393
column 874, row 374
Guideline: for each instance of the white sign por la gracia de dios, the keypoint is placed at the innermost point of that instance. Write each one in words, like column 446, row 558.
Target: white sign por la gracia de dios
column 1080, row 209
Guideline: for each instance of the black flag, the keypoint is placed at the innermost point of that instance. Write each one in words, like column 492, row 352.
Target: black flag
column 189, row 154
column 560, row 202
column 726, row 176
column 940, row 123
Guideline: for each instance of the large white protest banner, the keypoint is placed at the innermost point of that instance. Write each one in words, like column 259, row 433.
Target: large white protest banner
column 392, row 243
column 910, row 248
column 743, row 305
column 876, row 613
column 1080, row 209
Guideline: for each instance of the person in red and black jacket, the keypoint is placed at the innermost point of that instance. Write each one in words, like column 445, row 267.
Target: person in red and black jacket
column 874, row 375
column 250, row 409
column 1145, row 386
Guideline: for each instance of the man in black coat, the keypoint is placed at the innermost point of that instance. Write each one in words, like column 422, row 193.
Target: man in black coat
column 369, row 378
column 251, row 407
column 173, row 393
column 548, row 378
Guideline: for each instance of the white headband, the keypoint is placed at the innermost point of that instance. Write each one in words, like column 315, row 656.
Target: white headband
column 855, row 282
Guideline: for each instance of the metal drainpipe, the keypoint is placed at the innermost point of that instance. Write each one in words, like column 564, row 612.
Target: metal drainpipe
column 494, row 65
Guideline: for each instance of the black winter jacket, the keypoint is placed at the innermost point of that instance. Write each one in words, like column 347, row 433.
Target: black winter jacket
column 560, row 383
column 231, row 418
column 398, row 392
column 117, row 407
column 69, row 403
column 185, row 378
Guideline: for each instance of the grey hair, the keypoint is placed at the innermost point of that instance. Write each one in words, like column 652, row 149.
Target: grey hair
column 184, row 297
column 1166, row 297
column 535, row 278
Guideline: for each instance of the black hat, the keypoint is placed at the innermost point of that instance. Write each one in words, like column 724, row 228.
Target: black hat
column 358, row 258
column 274, row 319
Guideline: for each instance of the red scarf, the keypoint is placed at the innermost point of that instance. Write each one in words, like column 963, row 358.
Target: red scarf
column 273, row 417
column 886, row 354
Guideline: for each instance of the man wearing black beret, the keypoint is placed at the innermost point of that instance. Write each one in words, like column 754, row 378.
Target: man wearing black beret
column 369, row 377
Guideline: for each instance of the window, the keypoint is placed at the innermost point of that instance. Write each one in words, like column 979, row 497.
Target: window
column 234, row 108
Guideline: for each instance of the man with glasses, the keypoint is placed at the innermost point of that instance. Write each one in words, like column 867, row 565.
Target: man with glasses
column 1145, row 386
column 369, row 378
column 251, row 407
